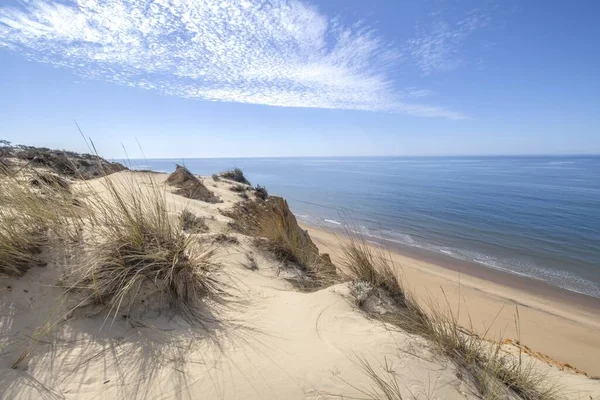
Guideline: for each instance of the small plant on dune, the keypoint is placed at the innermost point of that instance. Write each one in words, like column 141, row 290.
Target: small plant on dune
column 139, row 244
column 216, row 177
column 236, row 175
column 238, row 188
column 27, row 221
column 489, row 367
column 225, row 238
column 261, row 192
column 20, row 243
column 50, row 180
column 250, row 263
column 191, row 223
column 361, row 291
column 384, row 382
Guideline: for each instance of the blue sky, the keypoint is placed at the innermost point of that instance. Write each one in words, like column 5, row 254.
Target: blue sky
column 200, row 78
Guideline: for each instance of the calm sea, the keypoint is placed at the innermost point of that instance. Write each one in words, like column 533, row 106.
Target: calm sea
column 534, row 216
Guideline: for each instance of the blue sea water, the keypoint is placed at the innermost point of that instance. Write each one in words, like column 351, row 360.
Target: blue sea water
column 534, row 216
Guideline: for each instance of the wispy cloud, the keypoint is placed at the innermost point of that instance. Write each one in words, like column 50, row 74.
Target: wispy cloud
column 272, row 52
column 437, row 49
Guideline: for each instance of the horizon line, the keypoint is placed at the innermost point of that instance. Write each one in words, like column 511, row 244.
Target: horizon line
column 371, row 156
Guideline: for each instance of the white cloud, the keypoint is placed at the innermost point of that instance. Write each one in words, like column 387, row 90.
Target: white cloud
column 437, row 49
column 272, row 52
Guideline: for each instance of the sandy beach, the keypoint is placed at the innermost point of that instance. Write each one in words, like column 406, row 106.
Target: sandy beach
column 269, row 339
column 558, row 323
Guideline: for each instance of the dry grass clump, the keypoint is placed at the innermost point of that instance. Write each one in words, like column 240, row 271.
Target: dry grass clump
column 137, row 246
column 384, row 382
column 191, row 223
column 374, row 276
column 236, row 175
column 238, row 188
column 20, row 243
column 495, row 373
column 50, row 180
column 261, row 192
column 225, row 238
column 27, row 222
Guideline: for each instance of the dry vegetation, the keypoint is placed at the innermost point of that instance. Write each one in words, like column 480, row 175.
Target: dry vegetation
column 66, row 163
column 236, row 175
column 261, row 192
column 223, row 238
column 239, row 188
column 29, row 218
column 137, row 244
column 377, row 290
column 191, row 223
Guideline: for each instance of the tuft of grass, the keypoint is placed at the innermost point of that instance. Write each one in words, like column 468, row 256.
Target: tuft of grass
column 191, row 223
column 137, row 244
column 238, row 188
column 27, row 221
column 216, row 177
column 261, row 192
column 224, row 238
column 251, row 263
column 50, row 180
column 495, row 372
column 236, row 175
column 384, row 382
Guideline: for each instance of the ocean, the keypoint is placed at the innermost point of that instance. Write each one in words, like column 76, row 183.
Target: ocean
column 533, row 216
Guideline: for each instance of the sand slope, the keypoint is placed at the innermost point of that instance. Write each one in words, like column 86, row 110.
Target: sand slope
column 267, row 342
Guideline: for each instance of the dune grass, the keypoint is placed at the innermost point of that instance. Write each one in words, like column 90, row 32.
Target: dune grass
column 261, row 192
column 494, row 372
column 236, row 175
column 384, row 383
column 28, row 219
column 239, row 188
column 191, row 223
column 137, row 244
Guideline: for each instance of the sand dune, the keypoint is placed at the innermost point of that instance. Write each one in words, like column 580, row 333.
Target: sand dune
column 266, row 340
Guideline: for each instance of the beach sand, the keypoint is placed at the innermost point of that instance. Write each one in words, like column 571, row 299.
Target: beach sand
column 270, row 341
column 561, row 324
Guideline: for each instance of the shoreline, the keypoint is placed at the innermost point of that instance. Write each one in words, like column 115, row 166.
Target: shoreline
column 474, row 269
column 556, row 322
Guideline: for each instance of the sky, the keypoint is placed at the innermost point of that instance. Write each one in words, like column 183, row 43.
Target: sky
column 275, row 78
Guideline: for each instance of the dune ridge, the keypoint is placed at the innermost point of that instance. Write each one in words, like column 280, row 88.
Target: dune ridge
column 280, row 319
